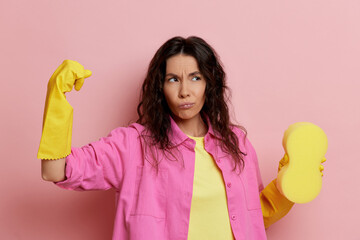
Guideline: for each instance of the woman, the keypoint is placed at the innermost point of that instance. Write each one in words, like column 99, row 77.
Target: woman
column 183, row 171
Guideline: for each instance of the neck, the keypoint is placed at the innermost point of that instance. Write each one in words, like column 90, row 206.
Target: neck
column 194, row 127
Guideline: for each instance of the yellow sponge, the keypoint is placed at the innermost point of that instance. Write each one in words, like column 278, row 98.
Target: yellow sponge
column 305, row 145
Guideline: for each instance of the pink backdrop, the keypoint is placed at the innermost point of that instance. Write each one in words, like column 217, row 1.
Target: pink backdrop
column 287, row 61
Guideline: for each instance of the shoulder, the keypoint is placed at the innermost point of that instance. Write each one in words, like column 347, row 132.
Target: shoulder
column 131, row 132
column 240, row 132
column 244, row 142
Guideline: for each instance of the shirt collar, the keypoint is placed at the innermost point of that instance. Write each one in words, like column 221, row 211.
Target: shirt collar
column 177, row 136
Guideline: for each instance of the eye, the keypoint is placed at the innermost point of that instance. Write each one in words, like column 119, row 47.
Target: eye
column 172, row 79
column 196, row 78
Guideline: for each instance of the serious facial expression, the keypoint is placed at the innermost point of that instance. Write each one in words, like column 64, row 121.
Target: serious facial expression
column 184, row 87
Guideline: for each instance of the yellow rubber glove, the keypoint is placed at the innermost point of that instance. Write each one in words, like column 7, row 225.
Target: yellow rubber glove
column 55, row 141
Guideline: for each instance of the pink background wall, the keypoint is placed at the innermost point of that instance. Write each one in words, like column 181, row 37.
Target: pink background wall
column 287, row 61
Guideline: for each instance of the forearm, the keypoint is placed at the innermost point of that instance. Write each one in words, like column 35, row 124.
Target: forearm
column 274, row 205
column 53, row 170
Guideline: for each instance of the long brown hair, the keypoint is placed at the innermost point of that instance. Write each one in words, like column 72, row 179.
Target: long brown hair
column 154, row 112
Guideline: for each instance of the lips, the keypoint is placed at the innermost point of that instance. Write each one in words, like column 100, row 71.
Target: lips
column 186, row 105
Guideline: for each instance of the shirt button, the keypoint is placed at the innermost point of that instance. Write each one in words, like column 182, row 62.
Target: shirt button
column 233, row 217
column 218, row 161
column 228, row 184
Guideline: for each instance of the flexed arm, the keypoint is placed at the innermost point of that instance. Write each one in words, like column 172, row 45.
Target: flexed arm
column 55, row 143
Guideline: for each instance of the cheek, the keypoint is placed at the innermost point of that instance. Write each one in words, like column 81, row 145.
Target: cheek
column 166, row 92
column 168, row 97
column 201, row 92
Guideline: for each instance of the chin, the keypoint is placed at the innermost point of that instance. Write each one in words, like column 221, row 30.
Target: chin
column 187, row 116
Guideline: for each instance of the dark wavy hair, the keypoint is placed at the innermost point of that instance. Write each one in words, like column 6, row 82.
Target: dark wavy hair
column 153, row 109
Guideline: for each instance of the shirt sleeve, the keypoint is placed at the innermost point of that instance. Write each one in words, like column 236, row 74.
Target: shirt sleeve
column 98, row 165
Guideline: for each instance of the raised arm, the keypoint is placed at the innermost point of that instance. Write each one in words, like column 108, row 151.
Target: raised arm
column 55, row 143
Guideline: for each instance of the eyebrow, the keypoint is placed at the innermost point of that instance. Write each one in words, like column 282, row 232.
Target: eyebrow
column 191, row 74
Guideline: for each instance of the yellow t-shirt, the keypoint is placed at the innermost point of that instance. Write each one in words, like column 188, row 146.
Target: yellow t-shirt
column 209, row 216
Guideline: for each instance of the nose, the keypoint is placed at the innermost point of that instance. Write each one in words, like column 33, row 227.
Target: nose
column 184, row 90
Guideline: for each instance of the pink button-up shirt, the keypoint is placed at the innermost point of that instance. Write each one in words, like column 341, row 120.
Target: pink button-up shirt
column 154, row 205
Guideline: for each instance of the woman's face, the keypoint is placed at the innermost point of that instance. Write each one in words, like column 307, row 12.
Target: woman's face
column 184, row 87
